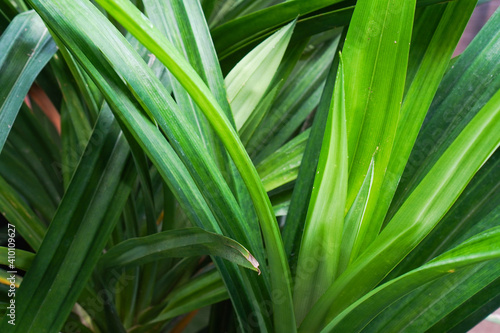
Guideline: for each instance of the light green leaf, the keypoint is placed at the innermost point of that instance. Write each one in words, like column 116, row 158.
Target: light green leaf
column 475, row 250
column 299, row 97
column 249, row 80
column 422, row 88
column 282, row 167
column 376, row 58
column 352, row 224
column 257, row 115
column 320, row 246
column 292, row 232
column 417, row 217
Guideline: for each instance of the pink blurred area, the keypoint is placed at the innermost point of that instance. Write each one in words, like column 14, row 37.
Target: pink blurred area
column 481, row 14
column 487, row 326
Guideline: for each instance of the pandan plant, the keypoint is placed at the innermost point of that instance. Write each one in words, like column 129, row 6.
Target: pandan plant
column 248, row 166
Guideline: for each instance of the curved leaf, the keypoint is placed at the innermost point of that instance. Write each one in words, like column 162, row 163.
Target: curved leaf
column 132, row 19
column 176, row 243
column 26, row 48
column 475, row 250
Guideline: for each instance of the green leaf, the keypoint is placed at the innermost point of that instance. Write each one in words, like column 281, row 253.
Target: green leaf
column 27, row 145
column 475, row 250
column 433, row 301
column 66, row 258
column 320, row 246
column 417, row 217
column 448, row 292
column 298, row 98
column 14, row 168
column 23, row 259
column 296, row 216
column 463, row 220
column 183, row 23
column 469, row 84
column 234, row 35
column 4, row 275
column 241, row 29
column 26, row 48
column 282, row 167
column 75, row 125
column 376, row 52
column 352, row 223
column 141, row 28
column 257, row 115
column 249, row 80
column 17, row 212
column 205, row 290
column 426, row 77
column 75, row 30
column 471, row 312
column 177, row 243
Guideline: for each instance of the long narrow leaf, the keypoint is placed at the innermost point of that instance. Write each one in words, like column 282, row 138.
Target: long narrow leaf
column 46, row 299
column 475, row 250
column 26, row 48
column 420, row 213
column 320, row 246
column 138, row 25
column 177, row 243
column 421, row 91
column 376, row 54
column 249, row 80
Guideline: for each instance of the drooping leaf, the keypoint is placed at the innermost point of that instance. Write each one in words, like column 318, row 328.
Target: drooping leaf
column 177, row 243
column 138, row 25
column 26, row 48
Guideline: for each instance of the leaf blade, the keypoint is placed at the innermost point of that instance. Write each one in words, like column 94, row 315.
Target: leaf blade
column 27, row 47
